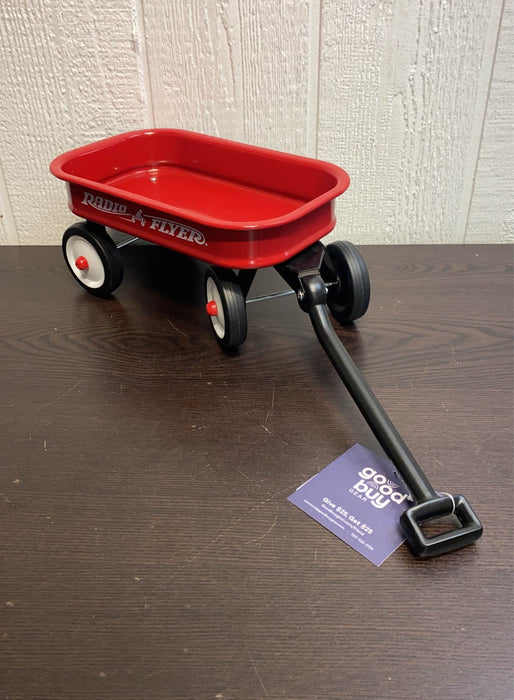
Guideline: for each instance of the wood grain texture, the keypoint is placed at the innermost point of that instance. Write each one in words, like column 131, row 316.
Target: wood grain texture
column 492, row 211
column 147, row 547
column 70, row 76
column 194, row 59
column 238, row 70
column 279, row 44
column 397, row 94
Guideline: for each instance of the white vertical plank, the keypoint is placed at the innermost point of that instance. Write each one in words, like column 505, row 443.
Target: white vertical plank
column 313, row 81
column 491, row 216
column 280, row 55
column 194, row 58
column 8, row 233
column 70, row 77
column 397, row 94
column 142, row 63
column 238, row 69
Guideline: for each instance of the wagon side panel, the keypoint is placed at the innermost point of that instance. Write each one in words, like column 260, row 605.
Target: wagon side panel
column 232, row 248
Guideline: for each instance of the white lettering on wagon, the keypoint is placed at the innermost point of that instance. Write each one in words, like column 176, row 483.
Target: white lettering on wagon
column 166, row 226
column 104, row 204
column 172, row 228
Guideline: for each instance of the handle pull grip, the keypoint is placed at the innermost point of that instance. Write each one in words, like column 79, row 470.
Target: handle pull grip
column 423, row 546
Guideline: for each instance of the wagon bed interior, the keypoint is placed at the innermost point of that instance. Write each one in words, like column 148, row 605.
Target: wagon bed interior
column 212, row 180
column 197, row 192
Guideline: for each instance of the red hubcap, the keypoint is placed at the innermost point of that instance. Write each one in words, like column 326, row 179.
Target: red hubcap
column 211, row 308
column 81, row 263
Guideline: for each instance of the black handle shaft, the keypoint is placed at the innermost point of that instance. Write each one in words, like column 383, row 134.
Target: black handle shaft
column 303, row 274
column 368, row 404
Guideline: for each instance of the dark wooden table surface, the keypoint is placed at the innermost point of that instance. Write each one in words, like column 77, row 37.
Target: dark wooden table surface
column 148, row 549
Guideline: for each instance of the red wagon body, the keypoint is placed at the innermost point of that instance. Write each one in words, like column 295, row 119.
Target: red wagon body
column 227, row 203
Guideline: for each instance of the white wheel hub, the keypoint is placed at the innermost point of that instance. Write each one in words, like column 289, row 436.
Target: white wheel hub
column 212, row 293
column 79, row 249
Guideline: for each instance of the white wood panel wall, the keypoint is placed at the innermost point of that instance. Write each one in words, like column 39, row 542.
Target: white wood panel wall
column 491, row 215
column 234, row 68
column 401, row 93
column 70, row 75
column 399, row 84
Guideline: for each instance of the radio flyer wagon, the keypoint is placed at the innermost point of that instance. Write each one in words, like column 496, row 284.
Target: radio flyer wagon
column 241, row 208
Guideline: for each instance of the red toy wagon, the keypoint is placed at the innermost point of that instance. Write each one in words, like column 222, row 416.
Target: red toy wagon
column 240, row 208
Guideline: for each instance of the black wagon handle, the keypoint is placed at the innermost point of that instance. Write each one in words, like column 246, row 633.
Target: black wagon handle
column 303, row 274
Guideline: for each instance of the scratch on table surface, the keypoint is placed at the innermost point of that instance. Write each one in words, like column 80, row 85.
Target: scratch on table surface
column 270, row 432
column 270, row 412
column 208, row 466
column 156, row 673
column 177, row 329
column 261, row 537
column 453, row 360
column 187, row 563
column 64, row 393
column 209, row 544
column 5, row 498
column 254, row 666
column 240, row 471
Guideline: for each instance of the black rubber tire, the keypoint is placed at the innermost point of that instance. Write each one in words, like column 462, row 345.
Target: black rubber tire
column 349, row 299
column 96, row 236
column 229, row 329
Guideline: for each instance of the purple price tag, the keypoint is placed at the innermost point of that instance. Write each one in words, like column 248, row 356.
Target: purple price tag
column 359, row 499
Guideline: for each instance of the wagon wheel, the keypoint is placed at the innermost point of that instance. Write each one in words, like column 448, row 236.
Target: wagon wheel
column 347, row 300
column 92, row 258
column 226, row 306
